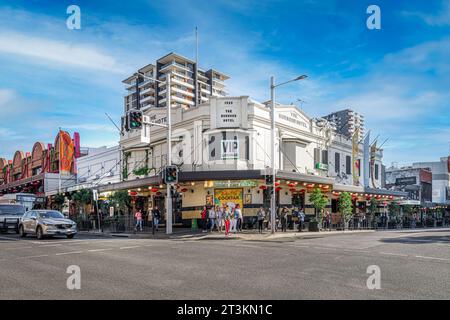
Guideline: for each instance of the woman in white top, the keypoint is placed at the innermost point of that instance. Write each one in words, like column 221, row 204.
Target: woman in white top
column 220, row 218
column 212, row 217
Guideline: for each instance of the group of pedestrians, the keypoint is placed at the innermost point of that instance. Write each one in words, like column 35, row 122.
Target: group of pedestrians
column 281, row 219
column 222, row 218
column 155, row 217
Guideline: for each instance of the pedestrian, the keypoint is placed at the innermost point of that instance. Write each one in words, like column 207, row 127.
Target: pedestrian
column 220, row 218
column 212, row 218
column 138, row 217
column 233, row 220
column 283, row 219
column 156, row 217
column 227, row 217
column 204, row 215
column 260, row 216
column 239, row 218
column 301, row 220
column 328, row 220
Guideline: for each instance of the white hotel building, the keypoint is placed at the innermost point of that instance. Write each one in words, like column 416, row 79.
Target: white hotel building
column 222, row 149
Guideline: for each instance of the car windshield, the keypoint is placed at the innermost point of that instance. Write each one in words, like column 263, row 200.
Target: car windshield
column 51, row 215
column 11, row 210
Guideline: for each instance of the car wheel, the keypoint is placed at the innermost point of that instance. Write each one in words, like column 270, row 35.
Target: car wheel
column 70, row 236
column 22, row 232
column 39, row 233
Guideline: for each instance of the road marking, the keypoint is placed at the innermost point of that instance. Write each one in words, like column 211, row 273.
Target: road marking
column 99, row 250
column 50, row 245
column 394, row 254
column 123, row 248
column 40, row 256
column 9, row 239
column 64, row 253
column 433, row 258
column 16, row 248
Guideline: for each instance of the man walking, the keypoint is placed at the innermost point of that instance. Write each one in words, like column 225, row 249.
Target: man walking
column 260, row 215
column 156, row 216
column 301, row 220
column 212, row 218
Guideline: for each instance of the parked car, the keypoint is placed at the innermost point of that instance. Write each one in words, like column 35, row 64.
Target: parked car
column 46, row 223
column 10, row 215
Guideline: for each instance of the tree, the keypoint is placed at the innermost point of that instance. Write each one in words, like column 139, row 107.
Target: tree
column 121, row 200
column 82, row 198
column 59, row 200
column 319, row 202
column 373, row 206
column 346, row 207
column 394, row 211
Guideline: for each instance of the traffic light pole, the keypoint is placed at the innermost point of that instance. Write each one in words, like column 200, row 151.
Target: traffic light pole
column 272, row 160
column 169, row 154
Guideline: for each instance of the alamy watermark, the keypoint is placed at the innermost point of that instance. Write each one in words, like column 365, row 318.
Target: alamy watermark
column 74, row 280
column 73, row 22
column 374, row 280
column 374, row 20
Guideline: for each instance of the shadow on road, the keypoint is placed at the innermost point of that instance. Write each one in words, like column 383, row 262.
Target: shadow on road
column 419, row 239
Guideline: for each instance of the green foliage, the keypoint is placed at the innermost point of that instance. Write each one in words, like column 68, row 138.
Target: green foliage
column 319, row 202
column 83, row 196
column 141, row 171
column 394, row 211
column 346, row 206
column 373, row 206
column 59, row 200
column 120, row 199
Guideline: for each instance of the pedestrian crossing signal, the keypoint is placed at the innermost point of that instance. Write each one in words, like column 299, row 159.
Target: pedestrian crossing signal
column 135, row 119
column 171, row 174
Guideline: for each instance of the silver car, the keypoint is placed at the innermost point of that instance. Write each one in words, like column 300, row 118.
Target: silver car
column 46, row 223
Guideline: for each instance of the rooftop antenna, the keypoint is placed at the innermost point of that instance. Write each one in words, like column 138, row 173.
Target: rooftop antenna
column 301, row 103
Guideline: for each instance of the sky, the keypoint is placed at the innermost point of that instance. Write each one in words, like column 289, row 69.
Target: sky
column 397, row 77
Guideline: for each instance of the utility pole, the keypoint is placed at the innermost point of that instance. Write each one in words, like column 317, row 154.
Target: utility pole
column 169, row 154
column 272, row 131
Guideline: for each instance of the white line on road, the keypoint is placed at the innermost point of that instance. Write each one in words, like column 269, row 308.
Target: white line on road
column 16, row 248
column 394, row 254
column 64, row 253
column 50, row 245
column 99, row 250
column 132, row 247
column 29, row 257
column 433, row 258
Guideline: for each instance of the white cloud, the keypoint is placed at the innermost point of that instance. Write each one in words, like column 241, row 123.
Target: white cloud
column 65, row 53
column 442, row 18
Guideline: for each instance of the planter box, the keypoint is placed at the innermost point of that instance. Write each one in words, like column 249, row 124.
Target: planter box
column 313, row 226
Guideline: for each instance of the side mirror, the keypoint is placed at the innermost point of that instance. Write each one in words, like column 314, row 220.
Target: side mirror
column 33, row 218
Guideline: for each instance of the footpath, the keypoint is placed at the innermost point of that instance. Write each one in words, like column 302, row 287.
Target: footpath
column 247, row 235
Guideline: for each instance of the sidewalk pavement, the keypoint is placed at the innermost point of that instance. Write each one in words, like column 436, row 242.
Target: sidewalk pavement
column 247, row 235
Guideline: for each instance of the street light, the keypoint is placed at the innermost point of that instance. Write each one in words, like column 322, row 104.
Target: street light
column 272, row 102
column 169, row 145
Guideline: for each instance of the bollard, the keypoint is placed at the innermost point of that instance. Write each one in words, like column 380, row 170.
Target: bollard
column 194, row 224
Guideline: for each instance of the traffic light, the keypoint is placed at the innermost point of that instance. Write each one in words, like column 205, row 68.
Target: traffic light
column 269, row 179
column 171, row 174
column 135, row 119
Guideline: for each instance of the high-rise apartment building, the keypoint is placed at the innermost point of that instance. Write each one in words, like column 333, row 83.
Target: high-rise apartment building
column 346, row 122
column 142, row 93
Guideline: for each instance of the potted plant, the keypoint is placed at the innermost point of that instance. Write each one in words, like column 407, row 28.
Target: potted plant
column 346, row 208
column 319, row 202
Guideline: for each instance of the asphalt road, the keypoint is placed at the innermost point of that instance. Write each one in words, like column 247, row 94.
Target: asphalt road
column 413, row 265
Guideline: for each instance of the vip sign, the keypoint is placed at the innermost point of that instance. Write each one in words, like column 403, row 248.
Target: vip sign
column 230, row 149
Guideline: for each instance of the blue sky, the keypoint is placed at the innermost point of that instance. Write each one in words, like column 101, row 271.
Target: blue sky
column 397, row 77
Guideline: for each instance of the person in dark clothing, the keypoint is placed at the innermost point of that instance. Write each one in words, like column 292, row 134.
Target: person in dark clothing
column 156, row 217
column 204, row 215
column 284, row 213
